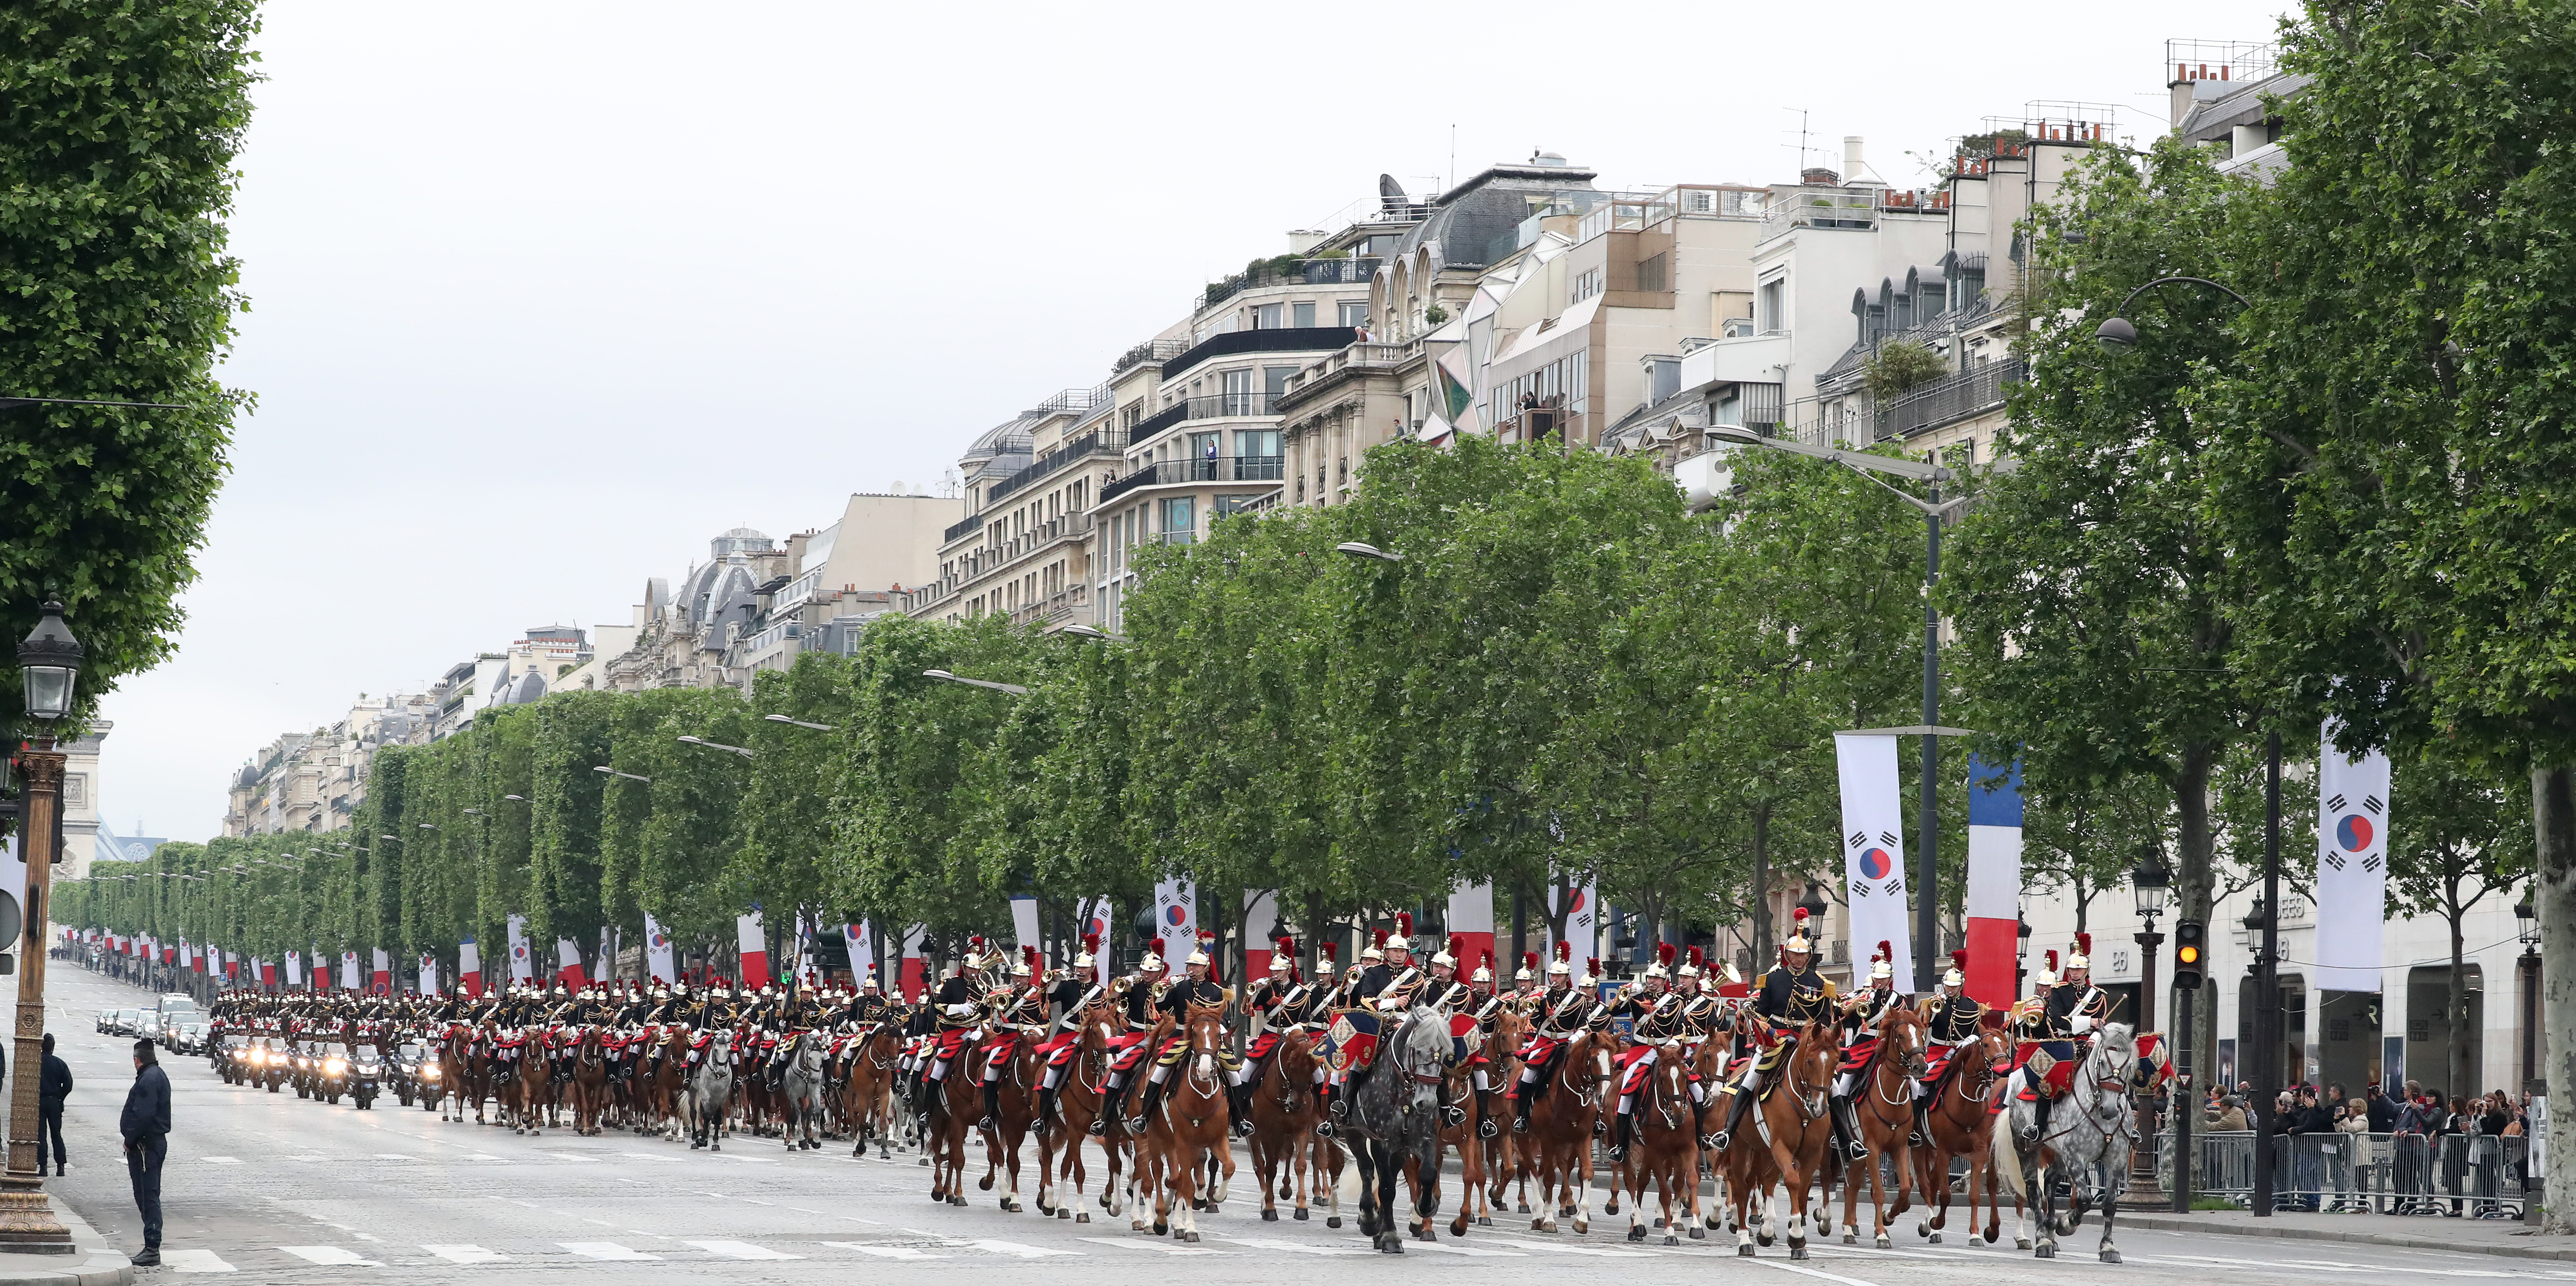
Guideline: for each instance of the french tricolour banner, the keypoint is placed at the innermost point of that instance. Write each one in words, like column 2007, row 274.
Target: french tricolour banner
column 469, row 968
column 1471, row 916
column 568, row 964
column 523, row 968
column 1258, row 920
column 657, row 952
column 1994, row 880
column 1873, row 852
column 1176, row 919
column 2352, row 866
column 913, row 978
column 754, row 946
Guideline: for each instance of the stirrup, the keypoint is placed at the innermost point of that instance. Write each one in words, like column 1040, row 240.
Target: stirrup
column 987, row 1123
column 1136, row 1126
column 1717, row 1142
column 1099, row 1127
column 1600, row 1128
column 1323, row 1129
column 1453, row 1115
column 1520, row 1124
column 1486, row 1129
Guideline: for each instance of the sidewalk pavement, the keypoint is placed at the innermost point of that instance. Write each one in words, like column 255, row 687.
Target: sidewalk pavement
column 93, row 1263
column 2419, row 1232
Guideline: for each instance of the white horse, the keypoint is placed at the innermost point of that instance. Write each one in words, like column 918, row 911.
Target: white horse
column 709, row 1095
column 2095, row 1128
column 801, row 1086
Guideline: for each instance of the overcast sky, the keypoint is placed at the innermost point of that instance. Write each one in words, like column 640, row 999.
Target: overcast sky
column 546, row 294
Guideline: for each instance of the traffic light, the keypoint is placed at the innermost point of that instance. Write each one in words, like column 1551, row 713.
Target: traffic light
column 2191, row 951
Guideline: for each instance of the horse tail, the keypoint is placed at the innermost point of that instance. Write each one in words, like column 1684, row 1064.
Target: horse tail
column 2007, row 1156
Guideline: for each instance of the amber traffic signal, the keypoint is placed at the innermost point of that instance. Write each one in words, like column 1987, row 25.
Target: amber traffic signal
column 2191, row 950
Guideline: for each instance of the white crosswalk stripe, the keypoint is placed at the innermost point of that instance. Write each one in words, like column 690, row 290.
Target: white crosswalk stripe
column 739, row 1250
column 195, row 1261
column 1298, row 1247
column 340, row 1255
column 466, row 1254
column 1011, row 1248
column 1163, row 1247
column 884, row 1252
column 605, row 1250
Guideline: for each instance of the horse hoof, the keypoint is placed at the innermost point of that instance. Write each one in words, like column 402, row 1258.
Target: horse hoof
column 1851, row 1239
column 1162, row 1228
column 1798, row 1250
column 923, row 1161
column 956, row 1201
column 1762, row 1239
column 1484, row 1221
column 985, row 1184
column 1699, row 1234
column 2021, row 1243
column 1884, row 1243
column 1330, row 1221
column 2044, row 1252
column 1084, row 1217
column 1582, row 1227
column 1269, row 1216
column 1933, row 1238
column 1190, row 1237
column 1636, row 1232
column 1743, row 1252
column 1671, row 1240
column 1300, row 1215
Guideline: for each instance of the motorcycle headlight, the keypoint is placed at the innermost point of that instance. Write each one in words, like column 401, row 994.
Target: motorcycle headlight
column 335, row 1067
column 366, row 1069
column 429, row 1073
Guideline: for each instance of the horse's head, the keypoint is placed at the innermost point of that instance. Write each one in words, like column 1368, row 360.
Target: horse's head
column 1903, row 1034
column 1811, row 1065
column 1426, row 1046
column 2115, row 1053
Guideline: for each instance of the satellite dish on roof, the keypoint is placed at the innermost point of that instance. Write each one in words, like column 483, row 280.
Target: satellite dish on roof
column 1390, row 194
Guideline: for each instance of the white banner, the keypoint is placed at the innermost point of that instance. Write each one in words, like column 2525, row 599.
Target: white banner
column 295, row 968
column 349, row 970
column 862, row 942
column 657, row 952
column 523, row 967
column 1176, row 920
column 1874, row 852
column 2352, row 867
column 1582, row 923
column 1093, row 922
column 428, row 974
column 1024, row 924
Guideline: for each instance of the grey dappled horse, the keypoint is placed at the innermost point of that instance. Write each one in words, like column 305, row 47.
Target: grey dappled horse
column 710, row 1095
column 1395, row 1114
column 801, row 1090
column 2096, row 1127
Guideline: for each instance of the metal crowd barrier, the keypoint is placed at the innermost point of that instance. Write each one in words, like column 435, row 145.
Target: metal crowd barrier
column 2480, row 1176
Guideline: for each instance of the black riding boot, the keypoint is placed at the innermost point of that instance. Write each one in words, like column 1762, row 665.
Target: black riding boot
column 1735, row 1106
column 1521, row 1107
column 1113, row 1107
column 992, row 1107
column 1324, row 1110
column 1847, row 1116
column 1619, row 1136
column 2038, row 1118
column 1046, row 1111
column 1238, row 1109
column 1484, row 1115
column 1145, row 1110
column 1922, row 1135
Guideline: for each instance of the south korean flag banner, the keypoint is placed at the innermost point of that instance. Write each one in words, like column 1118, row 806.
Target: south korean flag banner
column 1873, row 852
column 2352, row 866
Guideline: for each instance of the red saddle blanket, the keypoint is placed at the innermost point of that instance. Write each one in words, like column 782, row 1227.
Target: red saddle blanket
column 1857, row 1054
column 1060, row 1048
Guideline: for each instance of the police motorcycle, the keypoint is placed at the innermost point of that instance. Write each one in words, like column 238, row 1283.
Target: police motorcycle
column 365, row 1077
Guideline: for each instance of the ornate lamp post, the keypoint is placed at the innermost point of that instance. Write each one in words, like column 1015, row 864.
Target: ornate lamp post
column 49, row 664
column 2150, row 883
column 2526, row 919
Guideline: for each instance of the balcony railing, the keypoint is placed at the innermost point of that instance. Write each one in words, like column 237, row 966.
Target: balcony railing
column 1303, row 272
column 964, row 526
column 1056, row 607
column 1288, row 339
column 1949, row 400
column 1224, row 468
column 1098, row 442
column 1152, row 350
column 1219, row 406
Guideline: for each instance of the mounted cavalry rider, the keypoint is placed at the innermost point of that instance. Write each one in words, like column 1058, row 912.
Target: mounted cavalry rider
column 1793, row 994
column 2045, row 1053
column 1951, row 1020
column 1371, row 975
column 1636, row 1002
column 1564, row 1012
column 1018, row 1007
column 1861, row 1014
column 1072, row 993
column 954, row 1011
column 1450, row 996
column 871, row 1006
column 1139, row 995
column 1198, row 986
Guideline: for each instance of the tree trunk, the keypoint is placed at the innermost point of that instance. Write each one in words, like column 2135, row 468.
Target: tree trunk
column 2194, row 887
column 2553, row 833
column 2455, row 1009
column 1761, row 886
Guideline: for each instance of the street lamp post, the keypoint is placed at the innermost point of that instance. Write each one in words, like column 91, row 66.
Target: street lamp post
column 2150, row 883
column 1927, row 842
column 49, row 664
column 2526, row 919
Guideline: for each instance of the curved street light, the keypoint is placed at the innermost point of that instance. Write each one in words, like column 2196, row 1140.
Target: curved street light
column 944, row 676
column 715, row 745
column 2117, row 333
column 1362, row 549
column 818, row 727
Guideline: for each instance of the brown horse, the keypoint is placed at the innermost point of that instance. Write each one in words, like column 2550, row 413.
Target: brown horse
column 957, row 1102
column 1786, row 1144
column 1077, row 1105
column 867, row 1095
column 1121, row 1150
column 1016, row 1095
column 1557, row 1151
column 1885, row 1109
column 1286, row 1151
column 1186, row 1132
column 533, row 1092
column 1957, row 1119
column 462, row 1067
column 1664, row 1149
column 1458, row 1131
column 661, row 1082
column 1505, row 1150
column 589, row 1080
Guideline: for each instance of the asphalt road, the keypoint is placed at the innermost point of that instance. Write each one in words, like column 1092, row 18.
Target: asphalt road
column 271, row 1188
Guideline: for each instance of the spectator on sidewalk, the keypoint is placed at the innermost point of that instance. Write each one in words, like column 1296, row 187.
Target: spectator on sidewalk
column 2310, row 1127
column 2353, row 1125
column 2228, row 1115
column 52, row 1090
column 2454, row 1145
column 146, row 1130
column 2382, row 1111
